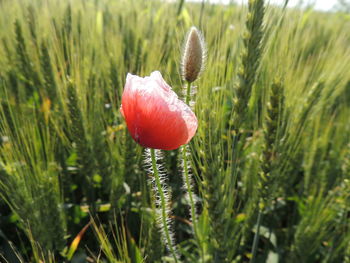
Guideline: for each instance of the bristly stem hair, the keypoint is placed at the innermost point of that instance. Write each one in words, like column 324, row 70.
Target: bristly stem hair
column 163, row 205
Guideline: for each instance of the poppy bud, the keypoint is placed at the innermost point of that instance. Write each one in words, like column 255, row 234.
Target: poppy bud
column 193, row 55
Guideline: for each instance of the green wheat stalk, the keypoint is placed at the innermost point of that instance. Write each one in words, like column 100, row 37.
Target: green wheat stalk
column 250, row 61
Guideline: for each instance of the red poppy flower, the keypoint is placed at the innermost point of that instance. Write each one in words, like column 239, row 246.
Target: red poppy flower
column 155, row 117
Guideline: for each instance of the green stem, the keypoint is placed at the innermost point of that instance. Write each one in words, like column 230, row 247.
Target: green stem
column 256, row 237
column 163, row 204
column 189, row 190
column 188, row 93
column 187, row 176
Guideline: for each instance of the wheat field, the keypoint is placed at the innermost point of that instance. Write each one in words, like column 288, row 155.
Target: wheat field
column 266, row 177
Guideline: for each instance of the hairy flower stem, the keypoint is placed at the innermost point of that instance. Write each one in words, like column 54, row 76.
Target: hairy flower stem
column 189, row 190
column 188, row 185
column 187, row 176
column 163, row 205
column 256, row 237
